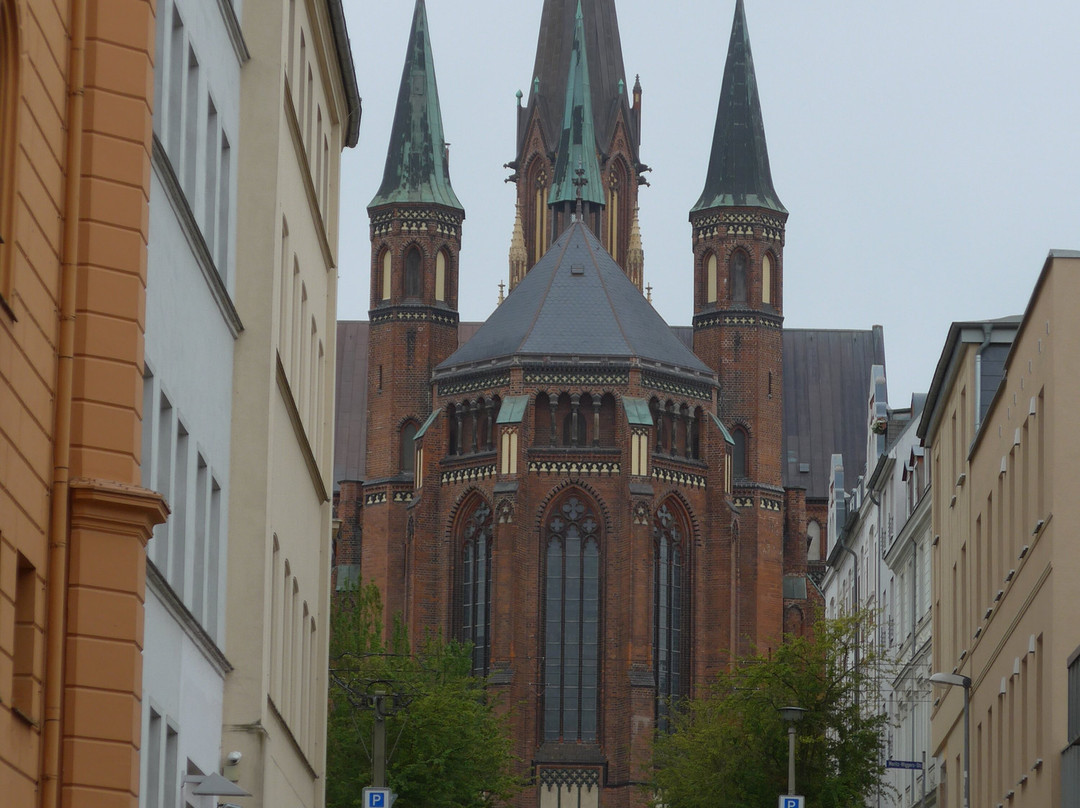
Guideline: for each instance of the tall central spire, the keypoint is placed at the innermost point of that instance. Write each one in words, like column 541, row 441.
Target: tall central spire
column 416, row 163
column 558, row 34
column 577, row 172
column 739, row 174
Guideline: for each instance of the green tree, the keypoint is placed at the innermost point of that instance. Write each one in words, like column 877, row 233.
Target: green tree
column 447, row 745
column 729, row 747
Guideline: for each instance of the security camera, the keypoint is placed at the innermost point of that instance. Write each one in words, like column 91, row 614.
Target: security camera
column 233, row 758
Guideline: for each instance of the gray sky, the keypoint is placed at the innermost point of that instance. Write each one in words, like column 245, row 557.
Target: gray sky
column 928, row 150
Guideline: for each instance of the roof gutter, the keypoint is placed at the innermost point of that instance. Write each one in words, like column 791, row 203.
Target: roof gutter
column 348, row 72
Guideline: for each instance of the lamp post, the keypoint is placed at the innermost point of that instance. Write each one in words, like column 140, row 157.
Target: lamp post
column 792, row 716
column 958, row 680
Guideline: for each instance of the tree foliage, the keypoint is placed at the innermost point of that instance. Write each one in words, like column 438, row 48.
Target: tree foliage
column 729, row 747
column 447, row 747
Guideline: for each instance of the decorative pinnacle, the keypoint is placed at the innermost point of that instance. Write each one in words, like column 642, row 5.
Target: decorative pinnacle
column 502, row 290
column 579, row 183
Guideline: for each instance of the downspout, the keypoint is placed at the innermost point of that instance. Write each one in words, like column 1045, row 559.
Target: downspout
column 56, row 604
column 987, row 330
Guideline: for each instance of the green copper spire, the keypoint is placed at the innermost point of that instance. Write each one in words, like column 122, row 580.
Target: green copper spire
column 577, row 147
column 739, row 174
column 416, row 166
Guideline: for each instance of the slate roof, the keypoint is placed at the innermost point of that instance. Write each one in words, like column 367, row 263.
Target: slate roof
column 575, row 304
column 416, row 168
column 604, row 53
column 739, row 173
column 826, row 378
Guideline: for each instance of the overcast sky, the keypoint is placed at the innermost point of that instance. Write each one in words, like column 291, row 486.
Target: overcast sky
column 927, row 150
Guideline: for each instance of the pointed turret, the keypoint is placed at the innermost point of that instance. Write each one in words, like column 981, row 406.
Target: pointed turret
column 635, row 255
column 518, row 256
column 417, row 167
column 576, row 166
column 739, row 174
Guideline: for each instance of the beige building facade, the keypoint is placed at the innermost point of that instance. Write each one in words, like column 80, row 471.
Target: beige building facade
column 1001, row 428
column 299, row 108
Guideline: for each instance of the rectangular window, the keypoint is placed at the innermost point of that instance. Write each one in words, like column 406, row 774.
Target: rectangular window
column 224, row 209
column 25, row 684
column 210, row 177
column 166, row 449
column 286, row 293
column 171, row 778
column 275, row 625
column 172, row 105
column 201, row 530
column 179, row 531
column 152, row 745
column 213, row 571
column 191, row 128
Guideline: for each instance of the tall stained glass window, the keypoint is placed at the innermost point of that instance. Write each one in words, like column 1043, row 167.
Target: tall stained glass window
column 572, row 623
column 476, row 586
column 668, row 613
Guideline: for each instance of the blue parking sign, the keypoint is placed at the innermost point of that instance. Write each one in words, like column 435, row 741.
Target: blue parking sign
column 378, row 798
column 792, row 802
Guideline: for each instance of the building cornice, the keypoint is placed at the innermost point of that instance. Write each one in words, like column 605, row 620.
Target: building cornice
column 182, row 616
column 301, row 433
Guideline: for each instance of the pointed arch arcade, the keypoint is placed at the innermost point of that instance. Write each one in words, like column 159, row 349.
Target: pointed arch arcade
column 572, row 535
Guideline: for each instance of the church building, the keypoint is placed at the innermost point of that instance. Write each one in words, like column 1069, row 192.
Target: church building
column 609, row 508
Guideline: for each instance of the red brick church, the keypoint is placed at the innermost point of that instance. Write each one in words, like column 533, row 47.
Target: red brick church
column 609, row 508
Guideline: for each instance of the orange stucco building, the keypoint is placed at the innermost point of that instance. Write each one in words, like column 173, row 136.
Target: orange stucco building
column 76, row 79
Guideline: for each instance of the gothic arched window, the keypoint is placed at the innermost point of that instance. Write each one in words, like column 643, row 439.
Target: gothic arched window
column 571, row 623
column 669, row 614
column 710, row 278
column 739, row 263
column 739, row 454
column 408, row 448
column 767, row 280
column 414, row 286
column 475, row 615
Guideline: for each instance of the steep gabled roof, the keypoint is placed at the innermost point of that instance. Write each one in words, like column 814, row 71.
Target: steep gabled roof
column 576, row 304
column 825, row 394
column 604, row 53
column 739, row 174
column 416, row 168
column 577, row 146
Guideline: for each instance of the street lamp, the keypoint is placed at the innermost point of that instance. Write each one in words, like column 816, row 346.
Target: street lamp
column 791, row 716
column 958, row 680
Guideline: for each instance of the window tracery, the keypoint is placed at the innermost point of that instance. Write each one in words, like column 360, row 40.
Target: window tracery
column 571, row 623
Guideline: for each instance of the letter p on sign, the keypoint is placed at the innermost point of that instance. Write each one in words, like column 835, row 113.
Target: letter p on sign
column 792, row 802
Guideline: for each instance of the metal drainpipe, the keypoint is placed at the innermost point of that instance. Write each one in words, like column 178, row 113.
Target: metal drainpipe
column 56, row 618
column 987, row 331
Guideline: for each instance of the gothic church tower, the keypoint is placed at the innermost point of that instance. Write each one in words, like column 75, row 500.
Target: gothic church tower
column 415, row 240
column 580, row 122
column 738, row 232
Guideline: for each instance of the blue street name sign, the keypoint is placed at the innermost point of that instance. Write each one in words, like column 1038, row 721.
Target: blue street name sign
column 904, row 764
column 793, row 802
column 378, row 798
